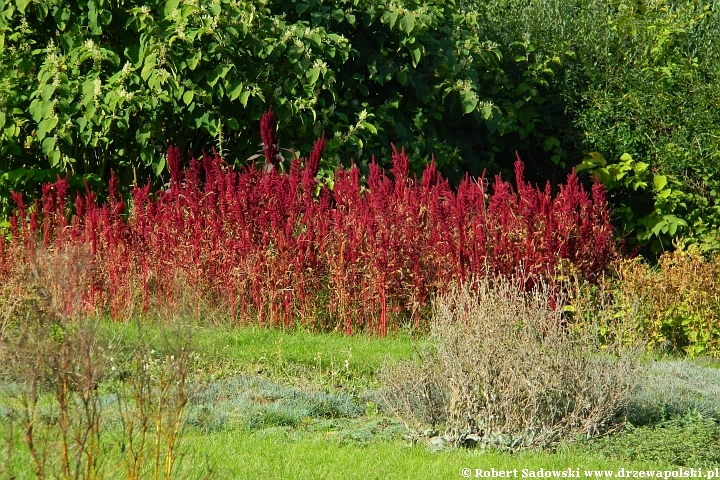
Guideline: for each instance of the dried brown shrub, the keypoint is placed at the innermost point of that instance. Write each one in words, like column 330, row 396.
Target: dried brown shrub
column 508, row 370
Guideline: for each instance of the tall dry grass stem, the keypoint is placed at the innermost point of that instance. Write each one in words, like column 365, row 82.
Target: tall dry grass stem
column 56, row 359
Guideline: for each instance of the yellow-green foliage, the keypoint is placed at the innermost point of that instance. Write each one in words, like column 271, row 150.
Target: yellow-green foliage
column 677, row 300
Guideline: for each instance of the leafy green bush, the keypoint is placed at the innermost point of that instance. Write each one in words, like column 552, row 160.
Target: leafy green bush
column 98, row 85
column 643, row 80
column 660, row 195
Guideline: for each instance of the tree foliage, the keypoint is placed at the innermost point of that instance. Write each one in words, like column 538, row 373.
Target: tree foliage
column 638, row 103
column 90, row 86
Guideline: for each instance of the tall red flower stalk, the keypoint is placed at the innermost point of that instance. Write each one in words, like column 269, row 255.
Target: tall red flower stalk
column 268, row 134
column 277, row 249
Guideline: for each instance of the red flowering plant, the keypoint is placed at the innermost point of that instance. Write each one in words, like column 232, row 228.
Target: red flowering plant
column 276, row 248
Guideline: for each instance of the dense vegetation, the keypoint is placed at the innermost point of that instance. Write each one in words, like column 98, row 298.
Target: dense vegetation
column 281, row 249
column 638, row 79
column 624, row 92
column 121, row 83
column 87, row 87
column 179, row 168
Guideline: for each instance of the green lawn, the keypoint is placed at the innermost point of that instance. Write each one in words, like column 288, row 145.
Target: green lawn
column 277, row 454
column 273, row 404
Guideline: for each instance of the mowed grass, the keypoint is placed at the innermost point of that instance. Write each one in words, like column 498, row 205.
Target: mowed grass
column 295, row 404
column 275, row 454
column 271, row 351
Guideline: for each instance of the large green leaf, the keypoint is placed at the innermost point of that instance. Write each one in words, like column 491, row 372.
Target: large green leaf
column 46, row 126
column 170, row 7
column 48, row 145
column 193, row 61
column 159, row 166
column 312, row 75
column 234, row 90
column 390, row 18
column 415, row 53
column 47, row 91
column 21, row 5
column 659, row 181
column 149, row 66
column 469, row 101
column 244, row 96
column 212, row 77
column 407, row 23
column 54, row 158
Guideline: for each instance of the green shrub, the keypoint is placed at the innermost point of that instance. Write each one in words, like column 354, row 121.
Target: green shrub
column 643, row 80
column 98, row 85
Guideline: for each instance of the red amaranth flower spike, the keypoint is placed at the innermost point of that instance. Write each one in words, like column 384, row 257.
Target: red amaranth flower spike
column 112, row 187
column 17, row 197
column 313, row 164
column 268, row 134
column 262, row 247
column 173, row 161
